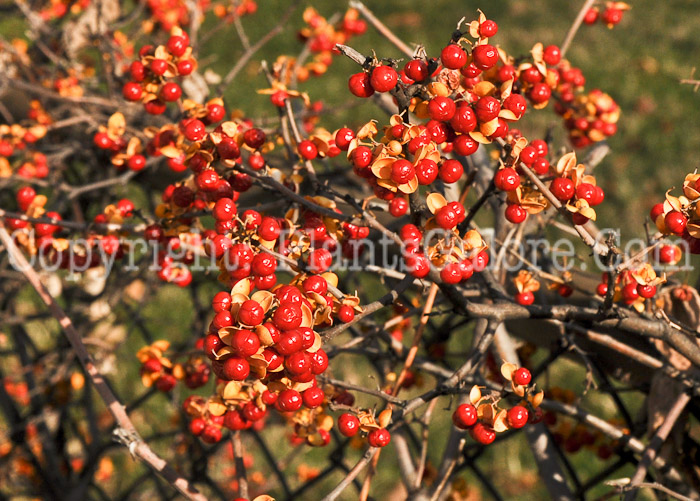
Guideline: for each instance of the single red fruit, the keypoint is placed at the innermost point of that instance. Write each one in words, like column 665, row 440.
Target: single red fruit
column 552, row 55
column 379, row 437
column 525, row 298
column 646, row 291
column 195, row 130
column 487, row 108
column 170, row 92
column 675, row 222
column 384, row 78
column 348, row 424
column 517, row 416
column 451, row 170
column 483, row 434
column 516, row 213
column 488, row 28
column 453, row 57
column 464, row 416
column 441, row 108
column 359, row 84
column 522, row 376
column 402, row 171
column 485, row 56
column 398, row 207
column 235, row 368
column 132, row 91
column 562, row 188
column 307, row 150
column 507, row 179
column 346, row 314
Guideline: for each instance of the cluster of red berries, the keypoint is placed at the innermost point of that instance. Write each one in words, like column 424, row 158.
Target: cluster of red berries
column 568, row 182
column 498, row 93
column 230, row 11
column 151, row 75
column 679, row 216
column 611, row 15
column 483, row 418
column 321, row 38
column 350, row 424
column 15, row 157
column 588, row 117
column 158, row 370
column 633, row 287
column 123, row 153
column 56, row 9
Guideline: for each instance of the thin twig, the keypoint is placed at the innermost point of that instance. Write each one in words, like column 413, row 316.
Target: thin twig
column 125, row 431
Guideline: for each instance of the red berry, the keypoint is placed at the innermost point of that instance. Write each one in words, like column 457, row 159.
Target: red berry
column 464, row 145
column 485, row 56
column 269, row 229
column 517, row 416
column 320, row 260
column 103, row 141
column 507, row 179
column 646, row 291
column 675, row 222
column 516, row 213
column 185, row 67
column 25, row 196
column 451, row 273
column 289, row 342
column 602, row 289
column 402, row 171
column 464, row 416
column 251, row 313
column 348, row 424
column 263, row 264
column 221, row 301
column 416, row 70
column 384, row 78
column 398, row 207
column 552, row 55
column 591, row 16
column 313, row 397
column 522, row 376
column 525, row 298
column 515, row 103
column 464, row 119
column 441, row 108
column 346, row 314
column 453, row 57
column 224, row 209
column 215, row 113
column 158, row 66
column 235, row 368
column 289, row 401
column 245, row 342
column 418, row 265
column 170, row 92
column 195, row 130
column 288, row 315
column 611, row 16
column 540, row 93
column 379, row 437
column 446, row 218
column 487, row 108
column 630, row 293
column 307, row 150
column 359, row 84
column 451, row 170
column 132, row 91
column 656, row 211
column 136, row 162
column 343, row 138
column 562, row 188
column 483, row 434
column 177, row 45
column 426, row 171
column 488, row 28
column 255, row 138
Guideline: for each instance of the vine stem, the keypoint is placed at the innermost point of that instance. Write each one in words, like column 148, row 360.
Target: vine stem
column 125, row 431
column 575, row 26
